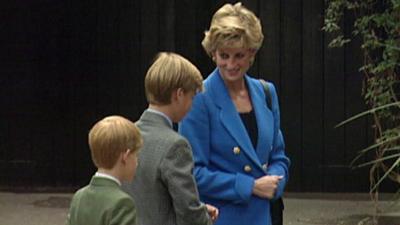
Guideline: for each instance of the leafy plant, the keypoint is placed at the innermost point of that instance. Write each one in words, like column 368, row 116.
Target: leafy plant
column 377, row 23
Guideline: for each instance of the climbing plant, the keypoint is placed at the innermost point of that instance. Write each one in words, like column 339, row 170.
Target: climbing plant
column 377, row 25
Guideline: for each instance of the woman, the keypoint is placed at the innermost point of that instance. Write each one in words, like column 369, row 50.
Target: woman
column 240, row 163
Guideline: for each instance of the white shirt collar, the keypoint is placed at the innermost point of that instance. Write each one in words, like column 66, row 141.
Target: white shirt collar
column 161, row 114
column 99, row 174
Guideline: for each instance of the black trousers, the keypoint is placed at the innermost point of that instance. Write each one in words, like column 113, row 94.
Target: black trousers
column 277, row 211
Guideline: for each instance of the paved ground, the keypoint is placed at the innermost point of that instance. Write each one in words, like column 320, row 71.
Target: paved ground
column 301, row 209
column 338, row 209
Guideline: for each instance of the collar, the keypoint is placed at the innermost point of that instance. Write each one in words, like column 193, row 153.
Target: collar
column 161, row 114
column 99, row 174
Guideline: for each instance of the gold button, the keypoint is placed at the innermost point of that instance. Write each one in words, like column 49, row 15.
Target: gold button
column 247, row 168
column 265, row 166
column 236, row 150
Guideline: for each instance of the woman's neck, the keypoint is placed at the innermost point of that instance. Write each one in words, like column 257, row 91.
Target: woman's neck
column 236, row 87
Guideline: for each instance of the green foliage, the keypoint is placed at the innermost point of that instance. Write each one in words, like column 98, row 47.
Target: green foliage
column 377, row 24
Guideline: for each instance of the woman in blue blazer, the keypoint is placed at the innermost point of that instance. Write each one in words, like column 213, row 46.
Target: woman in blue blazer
column 239, row 152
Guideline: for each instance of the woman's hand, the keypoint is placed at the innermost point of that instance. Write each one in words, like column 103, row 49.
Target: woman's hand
column 212, row 211
column 265, row 187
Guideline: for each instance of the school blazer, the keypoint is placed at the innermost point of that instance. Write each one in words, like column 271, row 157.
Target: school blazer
column 164, row 188
column 102, row 202
column 226, row 163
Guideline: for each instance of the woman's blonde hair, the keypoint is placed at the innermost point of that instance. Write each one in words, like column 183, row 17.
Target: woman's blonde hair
column 233, row 26
column 169, row 72
column 111, row 136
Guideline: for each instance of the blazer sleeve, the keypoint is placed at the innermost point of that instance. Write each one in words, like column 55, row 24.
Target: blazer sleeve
column 72, row 209
column 214, row 184
column 278, row 162
column 124, row 213
column 176, row 172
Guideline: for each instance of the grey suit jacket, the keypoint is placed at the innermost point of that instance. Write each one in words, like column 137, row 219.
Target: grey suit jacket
column 164, row 188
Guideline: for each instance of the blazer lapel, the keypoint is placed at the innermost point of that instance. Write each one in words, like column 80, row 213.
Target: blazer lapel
column 230, row 117
column 264, row 118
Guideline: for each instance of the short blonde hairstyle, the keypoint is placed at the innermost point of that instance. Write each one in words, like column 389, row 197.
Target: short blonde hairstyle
column 233, row 26
column 169, row 72
column 111, row 136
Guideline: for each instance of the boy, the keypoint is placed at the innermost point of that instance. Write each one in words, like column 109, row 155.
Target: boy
column 114, row 143
column 164, row 189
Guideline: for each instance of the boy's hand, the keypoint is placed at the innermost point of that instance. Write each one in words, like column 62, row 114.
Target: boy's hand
column 212, row 211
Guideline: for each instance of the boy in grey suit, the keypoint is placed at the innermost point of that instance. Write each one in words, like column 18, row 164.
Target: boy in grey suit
column 164, row 190
column 114, row 142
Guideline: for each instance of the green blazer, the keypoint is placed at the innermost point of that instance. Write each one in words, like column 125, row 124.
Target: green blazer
column 102, row 202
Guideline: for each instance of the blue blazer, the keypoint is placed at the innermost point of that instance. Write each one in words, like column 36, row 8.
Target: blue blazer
column 226, row 163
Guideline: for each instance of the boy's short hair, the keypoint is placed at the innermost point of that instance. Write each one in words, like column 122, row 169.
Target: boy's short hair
column 111, row 136
column 169, row 72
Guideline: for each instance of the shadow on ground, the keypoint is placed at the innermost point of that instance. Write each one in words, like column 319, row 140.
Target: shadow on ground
column 53, row 202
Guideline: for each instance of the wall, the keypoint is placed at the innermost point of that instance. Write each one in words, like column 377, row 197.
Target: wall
column 66, row 64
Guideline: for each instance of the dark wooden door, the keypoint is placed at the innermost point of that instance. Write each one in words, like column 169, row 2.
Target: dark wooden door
column 66, row 64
